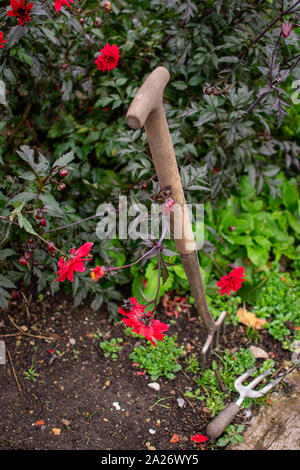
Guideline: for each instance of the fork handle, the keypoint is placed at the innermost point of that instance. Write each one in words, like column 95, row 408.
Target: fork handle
column 217, row 426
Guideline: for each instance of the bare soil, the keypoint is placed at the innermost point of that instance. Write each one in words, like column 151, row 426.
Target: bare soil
column 82, row 400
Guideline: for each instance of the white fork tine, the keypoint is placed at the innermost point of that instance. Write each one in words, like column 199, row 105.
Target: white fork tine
column 258, row 379
column 270, row 386
column 239, row 381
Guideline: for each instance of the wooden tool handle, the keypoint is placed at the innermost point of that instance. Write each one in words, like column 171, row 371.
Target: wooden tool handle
column 148, row 99
column 224, row 418
column 147, row 109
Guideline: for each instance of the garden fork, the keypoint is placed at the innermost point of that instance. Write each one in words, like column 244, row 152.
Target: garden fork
column 147, row 110
column 223, row 419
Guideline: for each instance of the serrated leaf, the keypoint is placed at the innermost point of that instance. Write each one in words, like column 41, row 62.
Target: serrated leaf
column 50, row 35
column 24, row 223
column 23, row 197
column 6, row 253
column 51, row 205
column 5, row 282
column 64, row 160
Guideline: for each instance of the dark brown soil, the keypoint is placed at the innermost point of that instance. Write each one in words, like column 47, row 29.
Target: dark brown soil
column 73, row 402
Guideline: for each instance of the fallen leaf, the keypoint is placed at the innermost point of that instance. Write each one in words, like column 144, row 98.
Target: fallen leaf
column 175, row 438
column 250, row 319
column 90, row 335
column 56, row 431
column 40, row 423
column 199, row 438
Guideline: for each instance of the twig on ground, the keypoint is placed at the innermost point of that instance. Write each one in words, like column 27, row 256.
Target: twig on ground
column 29, row 334
column 26, row 305
column 14, row 372
column 221, row 383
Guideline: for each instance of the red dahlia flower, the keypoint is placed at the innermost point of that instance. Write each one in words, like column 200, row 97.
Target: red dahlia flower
column 231, row 282
column 62, row 3
column 109, row 58
column 97, row 273
column 74, row 262
column 2, row 40
column 20, row 10
column 143, row 322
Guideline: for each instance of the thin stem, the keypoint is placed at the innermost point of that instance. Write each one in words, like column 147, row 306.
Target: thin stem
column 75, row 223
column 158, row 284
column 135, row 262
column 273, row 58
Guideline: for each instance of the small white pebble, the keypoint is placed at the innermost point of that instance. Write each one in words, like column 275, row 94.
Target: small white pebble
column 180, row 402
column 152, row 431
column 154, row 386
column 116, row 405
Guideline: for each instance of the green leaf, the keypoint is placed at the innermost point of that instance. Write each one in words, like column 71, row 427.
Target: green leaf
column 294, row 222
column 6, row 253
column 24, row 223
column 246, row 189
column 64, row 160
column 179, row 85
column 23, row 197
column 49, row 34
column 243, row 223
column 257, row 255
column 51, row 205
column 290, row 194
column 5, row 282
column 251, row 292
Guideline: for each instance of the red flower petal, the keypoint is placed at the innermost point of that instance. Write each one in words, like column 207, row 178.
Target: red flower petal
column 199, row 438
column 84, row 249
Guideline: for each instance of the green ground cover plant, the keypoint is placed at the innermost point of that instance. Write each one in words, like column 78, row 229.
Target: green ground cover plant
column 111, row 348
column 160, row 361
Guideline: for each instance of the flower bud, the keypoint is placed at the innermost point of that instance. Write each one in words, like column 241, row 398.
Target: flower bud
column 38, row 214
column 52, row 247
column 43, row 222
column 63, row 172
column 61, row 187
column 27, row 255
column 22, row 261
column 286, row 28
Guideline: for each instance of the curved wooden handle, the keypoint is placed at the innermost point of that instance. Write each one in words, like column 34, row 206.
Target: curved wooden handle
column 148, row 99
column 217, row 426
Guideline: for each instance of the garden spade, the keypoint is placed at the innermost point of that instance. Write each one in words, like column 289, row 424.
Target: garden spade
column 147, row 110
